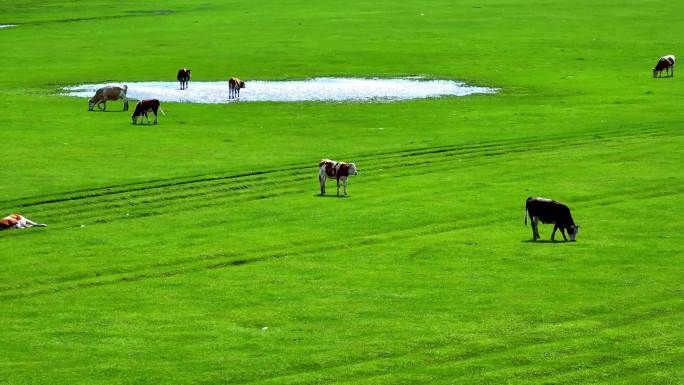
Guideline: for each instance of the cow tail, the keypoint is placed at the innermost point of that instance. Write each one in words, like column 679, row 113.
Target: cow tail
column 162, row 111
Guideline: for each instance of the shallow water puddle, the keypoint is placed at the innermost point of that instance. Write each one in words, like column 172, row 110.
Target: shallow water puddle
column 317, row 89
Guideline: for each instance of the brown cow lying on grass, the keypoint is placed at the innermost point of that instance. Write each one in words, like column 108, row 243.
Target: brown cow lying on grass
column 108, row 93
column 145, row 106
column 339, row 170
column 17, row 221
column 234, row 85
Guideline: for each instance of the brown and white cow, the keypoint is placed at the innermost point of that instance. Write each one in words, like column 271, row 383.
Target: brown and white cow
column 665, row 63
column 183, row 77
column 145, row 106
column 108, row 93
column 550, row 211
column 234, row 85
column 338, row 170
column 17, row 221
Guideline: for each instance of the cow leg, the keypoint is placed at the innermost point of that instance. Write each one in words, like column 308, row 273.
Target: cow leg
column 553, row 234
column 155, row 116
column 534, row 222
column 344, row 180
column 104, row 106
column 338, row 186
column 321, row 179
column 563, row 233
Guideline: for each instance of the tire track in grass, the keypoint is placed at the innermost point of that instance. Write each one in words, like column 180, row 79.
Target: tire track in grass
column 290, row 249
column 159, row 195
column 419, row 353
column 598, row 200
column 222, row 262
column 452, row 150
column 449, row 353
column 152, row 210
column 127, row 209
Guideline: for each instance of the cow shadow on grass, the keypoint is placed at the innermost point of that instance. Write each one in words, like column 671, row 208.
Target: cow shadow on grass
column 544, row 241
column 332, row 196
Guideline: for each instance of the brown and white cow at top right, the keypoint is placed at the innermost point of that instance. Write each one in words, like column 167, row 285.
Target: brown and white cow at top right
column 665, row 63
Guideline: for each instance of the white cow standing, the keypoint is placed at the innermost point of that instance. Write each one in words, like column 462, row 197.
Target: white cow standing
column 332, row 169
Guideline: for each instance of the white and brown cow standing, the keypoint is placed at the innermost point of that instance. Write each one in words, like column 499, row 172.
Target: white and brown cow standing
column 108, row 93
column 145, row 106
column 550, row 211
column 338, row 170
column 234, row 85
column 18, row 221
column 665, row 63
column 183, row 78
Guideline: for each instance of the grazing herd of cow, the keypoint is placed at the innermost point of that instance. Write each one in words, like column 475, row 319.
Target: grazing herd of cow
column 537, row 209
column 143, row 107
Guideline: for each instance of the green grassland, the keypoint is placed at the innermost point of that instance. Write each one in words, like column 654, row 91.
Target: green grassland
column 197, row 251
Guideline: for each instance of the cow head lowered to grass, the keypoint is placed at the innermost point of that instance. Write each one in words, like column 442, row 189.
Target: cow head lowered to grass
column 550, row 211
column 145, row 106
column 666, row 63
column 108, row 93
column 332, row 169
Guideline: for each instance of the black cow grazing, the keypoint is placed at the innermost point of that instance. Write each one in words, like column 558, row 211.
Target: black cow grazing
column 234, row 85
column 665, row 63
column 145, row 106
column 183, row 77
column 550, row 211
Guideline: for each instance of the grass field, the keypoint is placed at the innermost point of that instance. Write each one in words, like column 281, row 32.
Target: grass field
column 197, row 251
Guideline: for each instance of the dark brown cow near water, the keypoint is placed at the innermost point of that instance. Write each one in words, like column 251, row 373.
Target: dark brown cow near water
column 183, row 77
column 145, row 106
column 108, row 93
column 338, row 170
column 665, row 63
column 550, row 211
column 234, row 85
